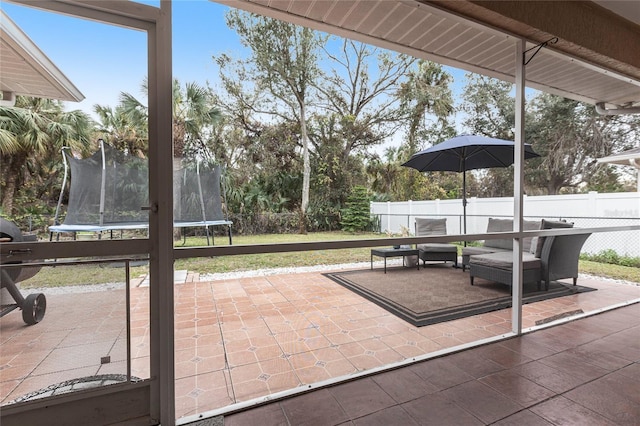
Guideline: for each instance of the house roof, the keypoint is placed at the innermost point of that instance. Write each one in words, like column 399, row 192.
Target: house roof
column 26, row 70
column 427, row 30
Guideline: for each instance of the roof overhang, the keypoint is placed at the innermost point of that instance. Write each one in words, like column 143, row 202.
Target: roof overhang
column 26, row 70
column 473, row 37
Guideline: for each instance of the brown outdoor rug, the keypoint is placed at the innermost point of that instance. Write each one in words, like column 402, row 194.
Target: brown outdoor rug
column 439, row 292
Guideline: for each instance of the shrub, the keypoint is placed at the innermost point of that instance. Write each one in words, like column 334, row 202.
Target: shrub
column 356, row 216
column 613, row 258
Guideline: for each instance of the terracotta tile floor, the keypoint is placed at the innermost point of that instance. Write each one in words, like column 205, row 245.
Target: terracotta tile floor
column 584, row 372
column 240, row 339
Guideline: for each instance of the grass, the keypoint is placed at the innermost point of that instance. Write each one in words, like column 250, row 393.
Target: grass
column 618, row 272
column 279, row 260
column 104, row 273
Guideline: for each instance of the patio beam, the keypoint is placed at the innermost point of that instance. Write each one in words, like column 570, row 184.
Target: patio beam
column 593, row 33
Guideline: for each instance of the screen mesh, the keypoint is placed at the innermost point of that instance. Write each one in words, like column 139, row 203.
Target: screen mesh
column 110, row 187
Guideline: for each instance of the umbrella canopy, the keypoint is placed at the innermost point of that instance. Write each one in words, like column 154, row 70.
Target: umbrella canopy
column 467, row 152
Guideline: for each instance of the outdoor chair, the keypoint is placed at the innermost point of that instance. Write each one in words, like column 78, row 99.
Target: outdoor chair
column 428, row 252
column 501, row 245
column 558, row 259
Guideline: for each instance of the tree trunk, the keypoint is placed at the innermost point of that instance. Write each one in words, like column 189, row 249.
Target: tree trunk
column 306, row 169
column 11, row 177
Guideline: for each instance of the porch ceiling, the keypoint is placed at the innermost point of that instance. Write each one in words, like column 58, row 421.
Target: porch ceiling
column 26, row 70
column 425, row 31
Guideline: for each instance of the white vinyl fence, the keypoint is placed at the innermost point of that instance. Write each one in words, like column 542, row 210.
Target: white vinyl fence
column 590, row 210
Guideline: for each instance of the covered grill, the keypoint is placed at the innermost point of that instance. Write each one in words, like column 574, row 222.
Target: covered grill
column 34, row 305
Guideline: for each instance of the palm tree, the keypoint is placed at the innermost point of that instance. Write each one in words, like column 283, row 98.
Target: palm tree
column 31, row 135
column 122, row 130
column 193, row 115
column 426, row 91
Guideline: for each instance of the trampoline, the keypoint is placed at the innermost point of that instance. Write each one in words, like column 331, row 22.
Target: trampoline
column 108, row 190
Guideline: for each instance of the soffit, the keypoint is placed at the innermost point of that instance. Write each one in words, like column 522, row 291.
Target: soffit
column 424, row 31
column 26, row 70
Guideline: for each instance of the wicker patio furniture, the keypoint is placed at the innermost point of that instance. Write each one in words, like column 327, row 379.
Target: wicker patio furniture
column 494, row 246
column 429, row 252
column 558, row 260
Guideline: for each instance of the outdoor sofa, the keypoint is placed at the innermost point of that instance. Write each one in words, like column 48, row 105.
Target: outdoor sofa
column 549, row 258
column 502, row 245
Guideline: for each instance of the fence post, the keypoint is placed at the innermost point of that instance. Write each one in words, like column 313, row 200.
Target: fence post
column 389, row 216
column 473, row 212
column 593, row 203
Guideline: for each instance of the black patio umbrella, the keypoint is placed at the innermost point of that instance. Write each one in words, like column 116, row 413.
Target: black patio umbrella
column 467, row 152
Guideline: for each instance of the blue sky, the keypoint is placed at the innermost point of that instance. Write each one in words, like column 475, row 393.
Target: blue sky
column 103, row 60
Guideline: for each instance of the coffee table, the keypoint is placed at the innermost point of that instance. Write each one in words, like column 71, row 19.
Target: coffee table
column 394, row 252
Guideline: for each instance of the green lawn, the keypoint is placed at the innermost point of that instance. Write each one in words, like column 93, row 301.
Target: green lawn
column 99, row 274
column 617, row 272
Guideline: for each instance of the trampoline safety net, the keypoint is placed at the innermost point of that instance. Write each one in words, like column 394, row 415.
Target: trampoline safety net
column 108, row 190
column 109, row 195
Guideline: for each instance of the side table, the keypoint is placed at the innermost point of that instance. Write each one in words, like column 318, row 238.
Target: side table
column 392, row 252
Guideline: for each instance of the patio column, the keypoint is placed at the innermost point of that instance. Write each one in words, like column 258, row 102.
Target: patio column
column 518, row 199
column 161, row 293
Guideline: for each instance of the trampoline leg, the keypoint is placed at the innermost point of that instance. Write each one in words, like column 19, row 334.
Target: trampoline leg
column 230, row 243
column 206, row 227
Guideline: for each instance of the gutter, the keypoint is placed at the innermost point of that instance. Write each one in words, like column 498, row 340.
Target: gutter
column 600, row 109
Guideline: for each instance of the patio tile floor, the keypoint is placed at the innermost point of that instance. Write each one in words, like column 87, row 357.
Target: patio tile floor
column 440, row 392
column 240, row 339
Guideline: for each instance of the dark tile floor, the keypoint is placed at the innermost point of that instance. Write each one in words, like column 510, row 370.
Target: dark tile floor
column 585, row 372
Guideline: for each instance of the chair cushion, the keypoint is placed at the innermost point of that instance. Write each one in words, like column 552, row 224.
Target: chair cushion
column 431, row 226
column 506, row 225
column 499, row 225
column 504, row 260
column 437, row 248
column 470, row 251
column 530, row 225
column 549, row 224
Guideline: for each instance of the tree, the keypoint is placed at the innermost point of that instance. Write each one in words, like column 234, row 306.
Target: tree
column 284, row 63
column 31, row 135
column 570, row 136
column 490, row 111
column 124, row 132
column 194, row 114
column 358, row 109
column 363, row 100
column 356, row 216
column 426, row 93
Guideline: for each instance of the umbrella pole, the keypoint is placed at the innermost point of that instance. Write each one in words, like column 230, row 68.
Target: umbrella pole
column 464, row 203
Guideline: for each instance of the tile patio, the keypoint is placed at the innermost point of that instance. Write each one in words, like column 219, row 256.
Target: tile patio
column 245, row 338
